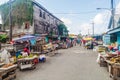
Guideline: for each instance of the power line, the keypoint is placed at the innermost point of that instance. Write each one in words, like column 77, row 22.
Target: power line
column 77, row 13
column 106, row 20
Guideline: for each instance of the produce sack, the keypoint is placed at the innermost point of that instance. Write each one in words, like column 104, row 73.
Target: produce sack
column 42, row 58
column 5, row 56
column 98, row 59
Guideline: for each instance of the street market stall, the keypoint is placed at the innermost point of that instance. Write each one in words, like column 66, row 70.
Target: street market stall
column 88, row 38
column 62, row 44
column 27, row 62
column 50, row 49
column 29, row 54
column 101, row 48
column 8, row 72
column 9, row 48
column 37, row 47
column 7, row 66
column 111, row 60
column 34, row 43
column 20, row 43
column 87, row 42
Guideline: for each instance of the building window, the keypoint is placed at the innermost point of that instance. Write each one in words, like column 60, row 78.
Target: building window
column 44, row 15
column 56, row 22
column 52, row 20
column 40, row 13
column 48, row 17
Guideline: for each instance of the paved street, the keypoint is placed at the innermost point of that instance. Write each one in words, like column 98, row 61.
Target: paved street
column 70, row 64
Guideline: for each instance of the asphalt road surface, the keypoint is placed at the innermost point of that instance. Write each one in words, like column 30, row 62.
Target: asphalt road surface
column 70, row 64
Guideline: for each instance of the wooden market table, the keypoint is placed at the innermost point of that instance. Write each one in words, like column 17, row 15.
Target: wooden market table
column 116, row 71
column 110, row 68
column 27, row 63
column 8, row 73
column 103, row 59
column 1, row 64
column 113, row 68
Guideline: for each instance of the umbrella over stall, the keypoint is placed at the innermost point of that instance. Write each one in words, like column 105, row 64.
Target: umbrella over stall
column 25, row 38
column 31, row 40
column 87, row 39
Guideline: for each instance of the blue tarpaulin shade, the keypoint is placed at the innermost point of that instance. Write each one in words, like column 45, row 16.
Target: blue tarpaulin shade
column 25, row 38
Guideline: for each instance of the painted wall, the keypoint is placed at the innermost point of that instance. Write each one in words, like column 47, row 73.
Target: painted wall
column 106, row 39
column 45, row 24
column 118, row 38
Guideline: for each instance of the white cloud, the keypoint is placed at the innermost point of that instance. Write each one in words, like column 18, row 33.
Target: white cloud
column 66, row 21
column 85, row 28
column 101, row 21
column 0, row 19
column 3, row 1
column 118, row 8
column 98, row 19
column 71, row 13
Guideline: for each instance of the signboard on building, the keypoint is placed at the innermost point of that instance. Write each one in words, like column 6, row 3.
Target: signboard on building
column 106, row 39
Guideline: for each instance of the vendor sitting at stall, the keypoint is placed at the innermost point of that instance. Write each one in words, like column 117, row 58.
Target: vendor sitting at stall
column 26, row 52
column 18, row 53
column 110, row 48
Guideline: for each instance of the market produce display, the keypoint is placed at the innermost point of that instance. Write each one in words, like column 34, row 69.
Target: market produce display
column 7, row 65
column 47, row 46
column 27, row 62
column 29, row 56
column 115, row 59
column 8, row 72
column 20, row 56
column 101, row 48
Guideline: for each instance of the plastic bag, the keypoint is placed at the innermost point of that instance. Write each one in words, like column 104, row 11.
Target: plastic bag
column 98, row 59
column 5, row 56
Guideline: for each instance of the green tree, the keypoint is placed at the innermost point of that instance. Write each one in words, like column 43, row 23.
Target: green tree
column 80, row 36
column 63, row 31
column 3, row 38
column 22, row 11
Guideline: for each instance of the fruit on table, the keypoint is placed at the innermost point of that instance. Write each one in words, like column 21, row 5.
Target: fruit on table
column 20, row 56
column 31, row 55
column 115, row 59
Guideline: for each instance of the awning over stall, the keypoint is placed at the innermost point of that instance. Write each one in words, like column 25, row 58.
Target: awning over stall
column 115, row 30
column 115, row 35
column 25, row 38
column 88, row 38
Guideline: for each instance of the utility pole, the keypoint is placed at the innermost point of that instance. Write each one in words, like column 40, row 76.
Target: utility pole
column 93, row 27
column 112, row 13
column 88, row 32
column 10, row 20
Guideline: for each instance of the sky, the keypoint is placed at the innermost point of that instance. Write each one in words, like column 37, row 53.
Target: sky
column 78, row 15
